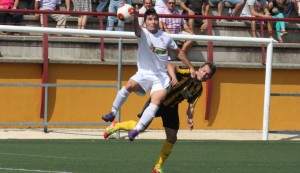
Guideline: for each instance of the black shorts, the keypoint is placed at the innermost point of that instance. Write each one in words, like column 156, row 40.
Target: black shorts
column 169, row 115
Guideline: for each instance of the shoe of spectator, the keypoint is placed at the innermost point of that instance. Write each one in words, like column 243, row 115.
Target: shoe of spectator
column 157, row 170
column 108, row 117
column 132, row 134
column 109, row 130
column 282, row 33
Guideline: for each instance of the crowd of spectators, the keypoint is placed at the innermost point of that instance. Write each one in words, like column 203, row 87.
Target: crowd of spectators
column 248, row 8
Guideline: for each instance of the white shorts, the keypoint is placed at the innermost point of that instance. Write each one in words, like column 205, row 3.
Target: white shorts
column 150, row 81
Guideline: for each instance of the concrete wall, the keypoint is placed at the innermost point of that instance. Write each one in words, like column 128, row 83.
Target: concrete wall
column 237, row 99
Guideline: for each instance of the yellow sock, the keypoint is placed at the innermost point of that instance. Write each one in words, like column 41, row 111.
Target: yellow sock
column 127, row 125
column 164, row 153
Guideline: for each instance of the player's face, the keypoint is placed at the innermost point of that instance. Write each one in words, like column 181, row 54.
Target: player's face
column 203, row 73
column 152, row 23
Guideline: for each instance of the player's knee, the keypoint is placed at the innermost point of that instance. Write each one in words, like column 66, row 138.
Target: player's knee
column 172, row 139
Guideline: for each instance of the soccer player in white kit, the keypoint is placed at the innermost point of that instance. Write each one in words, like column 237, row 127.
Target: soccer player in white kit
column 152, row 59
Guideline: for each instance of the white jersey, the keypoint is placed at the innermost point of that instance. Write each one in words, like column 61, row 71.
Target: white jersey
column 258, row 5
column 152, row 55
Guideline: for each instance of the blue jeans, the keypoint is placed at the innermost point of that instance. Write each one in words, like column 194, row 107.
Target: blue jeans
column 102, row 5
column 113, row 6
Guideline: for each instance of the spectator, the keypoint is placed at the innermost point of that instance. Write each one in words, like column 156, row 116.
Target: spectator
column 195, row 7
column 290, row 7
column 15, row 18
column 50, row 5
column 147, row 4
column 160, row 5
column 85, row 6
column 68, row 5
column 238, row 5
column 257, row 8
column 298, row 8
column 103, row 4
column 30, row 4
column 112, row 8
column 175, row 25
column 276, row 8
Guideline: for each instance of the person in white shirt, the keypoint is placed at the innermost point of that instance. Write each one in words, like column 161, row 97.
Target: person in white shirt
column 50, row 5
column 160, row 5
column 147, row 4
column 152, row 60
column 257, row 8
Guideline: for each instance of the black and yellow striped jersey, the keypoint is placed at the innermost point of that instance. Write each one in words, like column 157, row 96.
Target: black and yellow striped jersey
column 186, row 89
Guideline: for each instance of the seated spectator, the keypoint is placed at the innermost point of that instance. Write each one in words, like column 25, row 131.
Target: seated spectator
column 30, row 4
column 238, row 5
column 257, row 8
column 175, row 25
column 147, row 4
column 112, row 8
column 14, row 18
column 160, row 5
column 290, row 8
column 85, row 6
column 276, row 8
column 195, row 7
column 50, row 5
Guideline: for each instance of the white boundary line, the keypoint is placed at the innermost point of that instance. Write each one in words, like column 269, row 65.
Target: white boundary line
column 31, row 170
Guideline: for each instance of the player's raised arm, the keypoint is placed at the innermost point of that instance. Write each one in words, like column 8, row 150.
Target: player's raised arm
column 137, row 28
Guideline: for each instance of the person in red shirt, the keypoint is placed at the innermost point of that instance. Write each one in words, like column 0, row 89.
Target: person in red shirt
column 13, row 18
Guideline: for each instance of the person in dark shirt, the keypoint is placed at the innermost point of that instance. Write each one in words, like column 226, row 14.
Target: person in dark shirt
column 183, row 88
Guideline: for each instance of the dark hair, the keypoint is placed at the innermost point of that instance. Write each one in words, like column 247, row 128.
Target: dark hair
column 212, row 68
column 149, row 12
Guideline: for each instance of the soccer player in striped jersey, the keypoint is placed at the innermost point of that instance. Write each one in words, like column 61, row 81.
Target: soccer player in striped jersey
column 183, row 88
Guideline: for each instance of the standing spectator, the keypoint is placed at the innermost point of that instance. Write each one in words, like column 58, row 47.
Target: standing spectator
column 113, row 7
column 176, row 25
column 238, row 5
column 195, row 7
column 276, row 8
column 85, row 6
column 147, row 4
column 50, row 5
column 103, row 4
column 160, row 5
column 15, row 18
column 257, row 8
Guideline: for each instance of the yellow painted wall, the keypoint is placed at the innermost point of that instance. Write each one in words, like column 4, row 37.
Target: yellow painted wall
column 237, row 99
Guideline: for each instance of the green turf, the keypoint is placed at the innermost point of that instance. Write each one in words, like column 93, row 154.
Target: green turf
column 122, row 156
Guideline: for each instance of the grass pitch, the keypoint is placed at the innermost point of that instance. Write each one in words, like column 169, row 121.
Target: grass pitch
column 122, row 156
